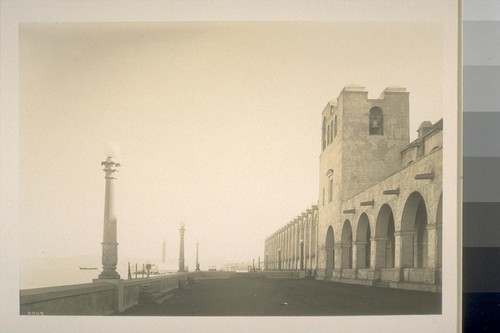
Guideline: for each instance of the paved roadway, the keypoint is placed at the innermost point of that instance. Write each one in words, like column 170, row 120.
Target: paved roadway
column 246, row 295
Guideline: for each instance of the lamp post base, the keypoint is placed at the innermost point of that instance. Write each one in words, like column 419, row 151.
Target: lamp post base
column 113, row 275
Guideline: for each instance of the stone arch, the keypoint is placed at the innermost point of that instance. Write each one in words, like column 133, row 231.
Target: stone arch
column 331, row 131
column 330, row 252
column 335, row 126
column 297, row 245
column 314, row 243
column 376, row 121
column 346, row 244
column 385, row 252
column 439, row 224
column 328, row 138
column 323, row 134
column 296, row 236
column 414, row 232
column 363, row 243
column 279, row 259
column 307, row 240
column 302, row 244
column 314, row 240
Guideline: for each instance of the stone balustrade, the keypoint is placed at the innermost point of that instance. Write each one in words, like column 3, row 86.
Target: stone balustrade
column 97, row 298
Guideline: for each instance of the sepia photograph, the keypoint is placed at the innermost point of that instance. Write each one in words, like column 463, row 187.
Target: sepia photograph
column 188, row 168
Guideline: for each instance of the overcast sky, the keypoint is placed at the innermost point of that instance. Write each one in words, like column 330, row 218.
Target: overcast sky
column 219, row 126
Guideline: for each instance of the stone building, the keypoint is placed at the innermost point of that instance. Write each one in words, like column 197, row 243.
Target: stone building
column 379, row 215
column 294, row 246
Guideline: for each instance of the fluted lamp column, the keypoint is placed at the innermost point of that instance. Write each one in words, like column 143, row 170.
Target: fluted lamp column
column 181, row 248
column 197, row 263
column 109, row 243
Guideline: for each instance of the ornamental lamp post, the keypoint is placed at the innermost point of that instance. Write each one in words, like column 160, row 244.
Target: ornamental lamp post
column 109, row 242
column 197, row 263
column 182, row 230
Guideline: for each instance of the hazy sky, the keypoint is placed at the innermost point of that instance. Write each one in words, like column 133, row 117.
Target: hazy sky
column 219, row 126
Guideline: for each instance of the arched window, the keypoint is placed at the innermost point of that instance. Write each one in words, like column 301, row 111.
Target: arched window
column 323, row 137
column 329, row 174
column 328, row 135
column 330, row 190
column 376, row 123
column 331, row 130
column 335, row 126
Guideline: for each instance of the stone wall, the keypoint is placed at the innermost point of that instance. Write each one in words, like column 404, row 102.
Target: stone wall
column 82, row 299
column 212, row 274
column 283, row 274
column 369, row 205
column 424, row 145
column 293, row 247
column 97, row 298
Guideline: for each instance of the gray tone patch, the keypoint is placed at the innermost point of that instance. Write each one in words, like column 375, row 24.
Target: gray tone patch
column 481, row 133
column 486, row 10
column 479, row 46
column 481, row 225
column 481, row 88
column 481, row 179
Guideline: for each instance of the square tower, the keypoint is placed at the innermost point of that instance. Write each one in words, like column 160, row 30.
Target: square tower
column 362, row 141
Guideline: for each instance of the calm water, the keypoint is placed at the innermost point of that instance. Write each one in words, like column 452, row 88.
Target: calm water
column 48, row 272
column 57, row 276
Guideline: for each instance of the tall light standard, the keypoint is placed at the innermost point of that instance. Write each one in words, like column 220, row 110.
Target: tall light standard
column 164, row 253
column 181, row 248
column 109, row 242
column 197, row 263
